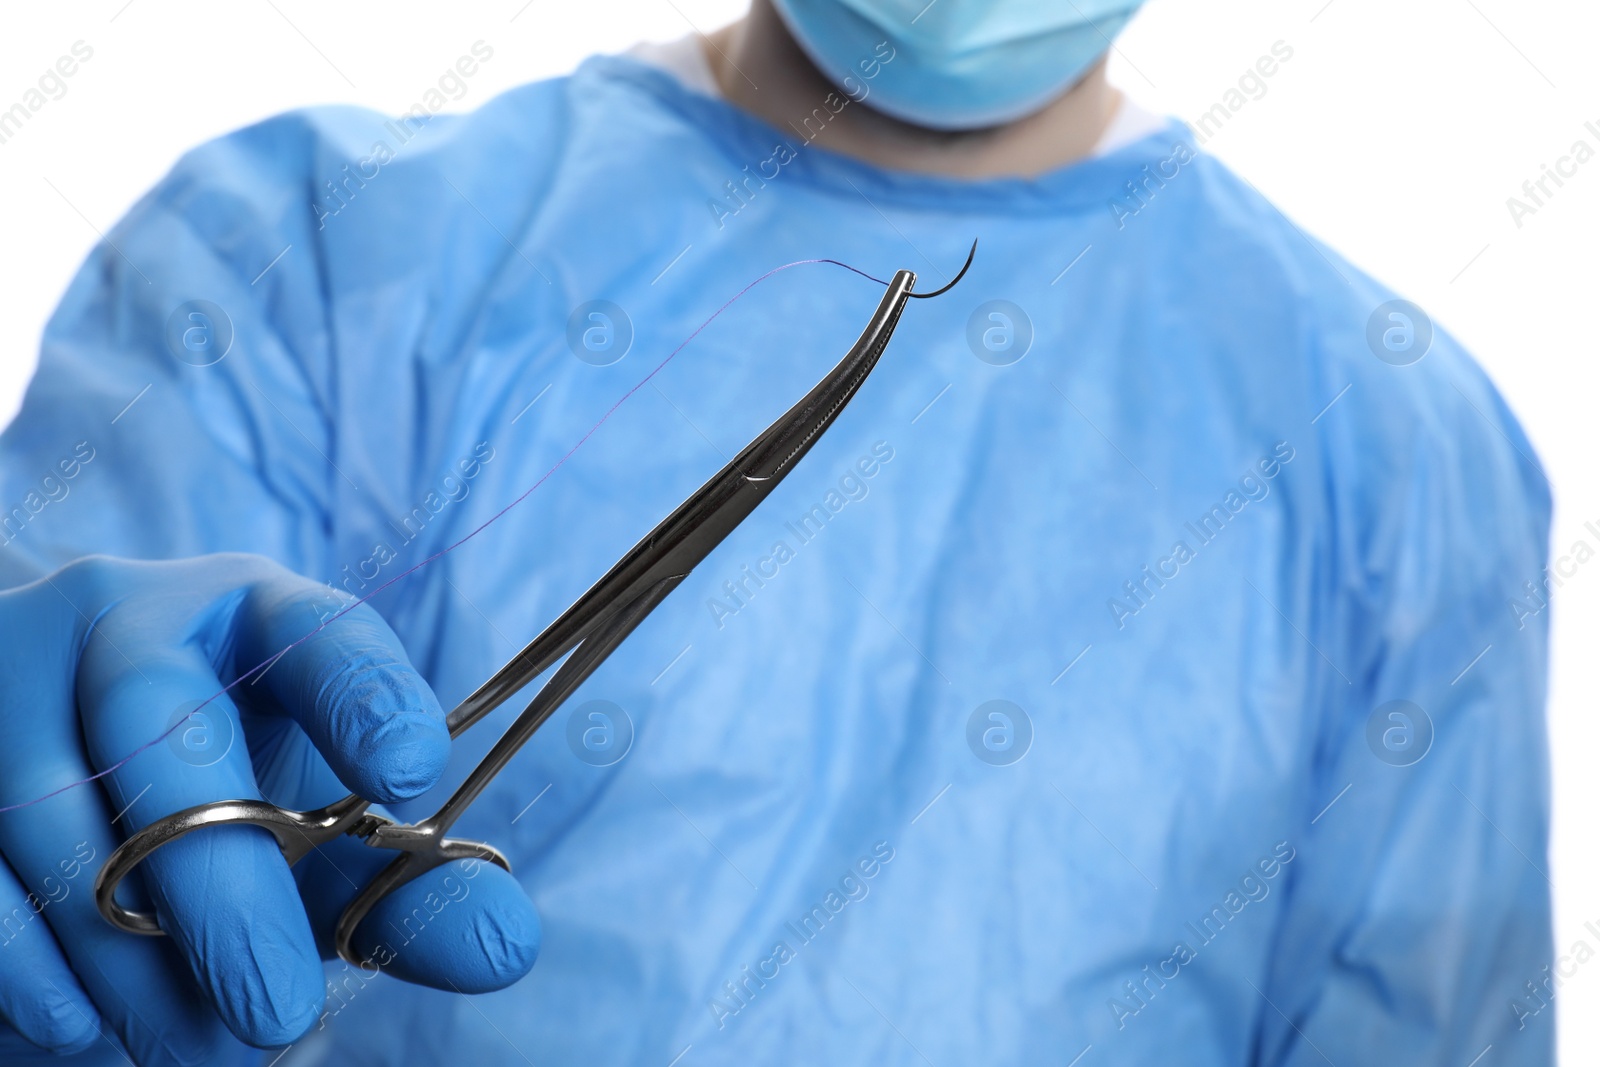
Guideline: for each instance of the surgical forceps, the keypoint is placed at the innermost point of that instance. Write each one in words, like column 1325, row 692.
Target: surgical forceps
column 590, row 630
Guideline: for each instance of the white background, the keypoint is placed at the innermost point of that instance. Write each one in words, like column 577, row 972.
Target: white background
column 1396, row 132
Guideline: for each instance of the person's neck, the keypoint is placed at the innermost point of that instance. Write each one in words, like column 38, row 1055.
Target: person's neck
column 761, row 69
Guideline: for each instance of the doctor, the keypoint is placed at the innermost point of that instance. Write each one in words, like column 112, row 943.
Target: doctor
column 1130, row 669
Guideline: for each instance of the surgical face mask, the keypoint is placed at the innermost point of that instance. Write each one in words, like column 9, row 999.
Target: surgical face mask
column 957, row 64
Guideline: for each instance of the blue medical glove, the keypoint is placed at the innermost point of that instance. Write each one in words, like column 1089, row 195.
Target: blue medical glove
column 104, row 655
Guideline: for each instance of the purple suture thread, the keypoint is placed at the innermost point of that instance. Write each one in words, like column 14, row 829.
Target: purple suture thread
column 262, row 667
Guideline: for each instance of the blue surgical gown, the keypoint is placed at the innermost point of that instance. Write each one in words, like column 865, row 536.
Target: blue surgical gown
column 1196, row 541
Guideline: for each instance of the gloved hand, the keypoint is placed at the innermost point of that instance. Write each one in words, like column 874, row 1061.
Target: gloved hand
column 95, row 661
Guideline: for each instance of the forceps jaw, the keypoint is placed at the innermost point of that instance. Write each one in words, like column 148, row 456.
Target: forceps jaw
column 785, row 441
column 677, row 543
